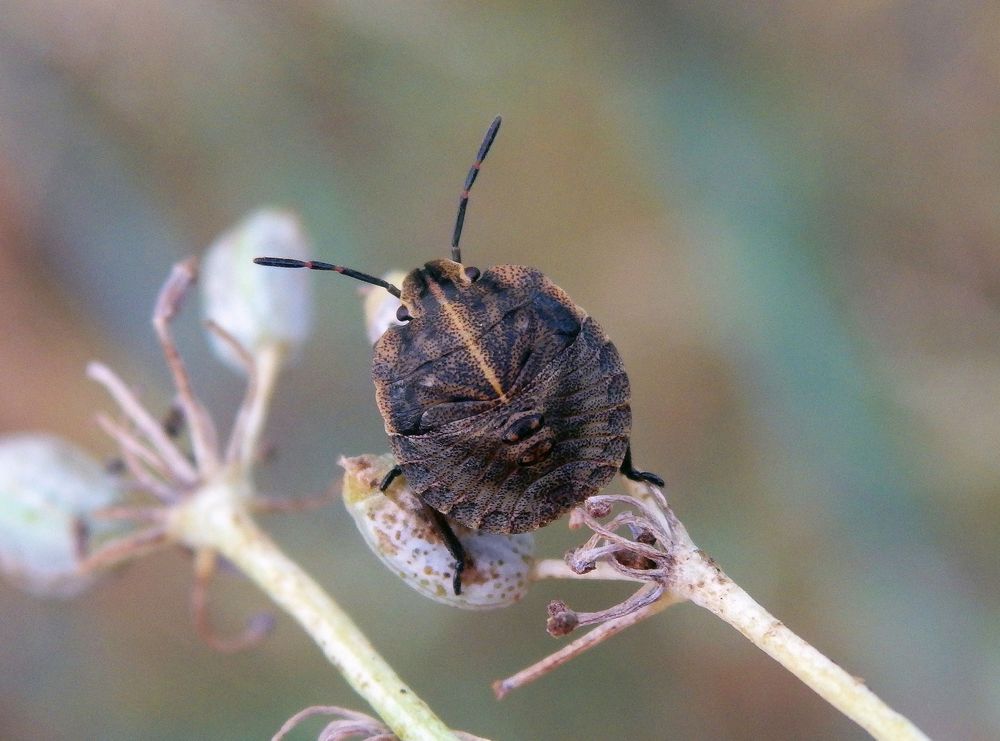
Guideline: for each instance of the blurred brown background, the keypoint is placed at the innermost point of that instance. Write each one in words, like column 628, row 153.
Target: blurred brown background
column 785, row 214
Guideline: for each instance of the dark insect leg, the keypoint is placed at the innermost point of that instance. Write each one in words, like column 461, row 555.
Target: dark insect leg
column 390, row 477
column 454, row 546
column 629, row 472
column 451, row 541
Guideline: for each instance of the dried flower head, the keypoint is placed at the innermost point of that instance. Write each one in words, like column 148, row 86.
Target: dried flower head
column 185, row 479
column 642, row 542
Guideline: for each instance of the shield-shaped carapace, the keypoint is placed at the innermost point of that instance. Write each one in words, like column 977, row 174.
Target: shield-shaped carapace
column 504, row 402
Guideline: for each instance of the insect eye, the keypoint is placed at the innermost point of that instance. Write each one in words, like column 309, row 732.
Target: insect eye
column 472, row 274
column 403, row 314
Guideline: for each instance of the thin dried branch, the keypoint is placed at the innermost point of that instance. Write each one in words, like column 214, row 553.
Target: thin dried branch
column 562, row 620
column 234, row 450
column 127, row 441
column 131, row 514
column 659, row 552
column 180, row 467
column 127, row 548
column 502, row 687
column 204, row 439
column 268, row 362
column 552, row 568
column 351, row 724
column 138, row 460
column 258, row 627
column 262, row 371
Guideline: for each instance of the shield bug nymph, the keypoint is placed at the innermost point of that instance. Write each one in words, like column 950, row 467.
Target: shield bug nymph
column 504, row 402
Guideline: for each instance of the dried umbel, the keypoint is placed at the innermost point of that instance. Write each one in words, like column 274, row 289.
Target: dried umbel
column 401, row 530
column 178, row 482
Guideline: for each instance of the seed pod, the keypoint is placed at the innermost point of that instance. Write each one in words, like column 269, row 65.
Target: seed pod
column 259, row 308
column 49, row 491
column 399, row 529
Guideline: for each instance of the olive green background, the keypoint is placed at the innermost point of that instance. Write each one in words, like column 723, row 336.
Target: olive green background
column 786, row 215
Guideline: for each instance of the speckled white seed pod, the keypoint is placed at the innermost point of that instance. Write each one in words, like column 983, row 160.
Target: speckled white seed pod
column 397, row 528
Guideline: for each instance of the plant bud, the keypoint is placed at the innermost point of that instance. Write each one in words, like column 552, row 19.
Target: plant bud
column 49, row 491
column 260, row 307
column 397, row 527
column 380, row 306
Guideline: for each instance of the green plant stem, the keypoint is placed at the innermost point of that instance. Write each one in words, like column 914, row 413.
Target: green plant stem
column 696, row 577
column 269, row 359
column 215, row 517
column 700, row 580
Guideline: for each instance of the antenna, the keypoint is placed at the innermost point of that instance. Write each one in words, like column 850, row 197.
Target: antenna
column 463, row 201
column 285, row 262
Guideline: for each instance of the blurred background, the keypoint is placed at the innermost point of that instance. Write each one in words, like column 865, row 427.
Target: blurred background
column 786, row 216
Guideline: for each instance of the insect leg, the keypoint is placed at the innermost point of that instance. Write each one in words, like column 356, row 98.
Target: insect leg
column 451, row 541
column 454, row 546
column 629, row 472
column 390, row 477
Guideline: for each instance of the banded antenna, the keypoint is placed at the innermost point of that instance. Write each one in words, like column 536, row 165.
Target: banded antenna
column 463, row 201
column 286, row 262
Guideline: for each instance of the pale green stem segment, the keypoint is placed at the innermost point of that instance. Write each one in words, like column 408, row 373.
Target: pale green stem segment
column 217, row 518
column 270, row 359
column 699, row 579
column 704, row 583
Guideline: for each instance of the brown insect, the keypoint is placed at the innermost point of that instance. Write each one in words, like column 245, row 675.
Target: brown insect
column 504, row 402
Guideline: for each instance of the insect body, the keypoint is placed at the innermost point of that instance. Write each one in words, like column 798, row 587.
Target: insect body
column 504, row 402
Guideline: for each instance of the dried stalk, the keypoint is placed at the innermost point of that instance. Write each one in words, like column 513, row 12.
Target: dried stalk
column 216, row 518
column 207, row 508
column 661, row 553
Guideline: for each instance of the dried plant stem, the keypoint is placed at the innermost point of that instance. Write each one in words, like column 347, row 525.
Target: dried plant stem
column 704, row 583
column 207, row 503
column 696, row 577
column 216, row 518
column 206, row 563
column 180, row 467
column 201, row 428
column 552, row 568
column 125, row 549
column 269, row 362
column 502, row 687
column 676, row 570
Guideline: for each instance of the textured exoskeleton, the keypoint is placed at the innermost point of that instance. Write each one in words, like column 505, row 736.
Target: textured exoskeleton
column 505, row 404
